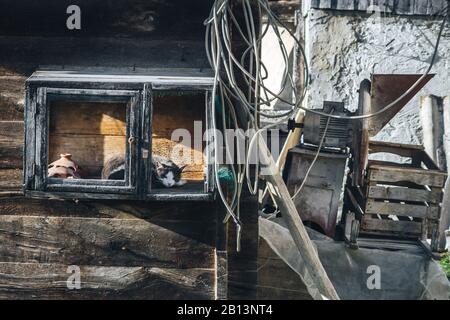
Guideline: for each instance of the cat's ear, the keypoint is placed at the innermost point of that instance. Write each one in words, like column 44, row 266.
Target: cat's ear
column 183, row 167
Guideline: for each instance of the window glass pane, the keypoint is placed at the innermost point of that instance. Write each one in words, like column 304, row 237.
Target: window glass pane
column 87, row 140
column 178, row 127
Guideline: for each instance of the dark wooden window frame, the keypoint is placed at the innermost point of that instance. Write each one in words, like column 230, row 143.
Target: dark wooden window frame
column 138, row 93
column 174, row 194
column 44, row 96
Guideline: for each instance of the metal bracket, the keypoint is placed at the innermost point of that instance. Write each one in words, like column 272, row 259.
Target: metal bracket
column 292, row 125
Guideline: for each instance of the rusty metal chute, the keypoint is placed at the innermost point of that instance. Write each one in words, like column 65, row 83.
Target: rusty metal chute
column 387, row 88
column 373, row 96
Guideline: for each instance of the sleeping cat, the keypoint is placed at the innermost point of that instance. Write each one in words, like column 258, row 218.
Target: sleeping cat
column 165, row 173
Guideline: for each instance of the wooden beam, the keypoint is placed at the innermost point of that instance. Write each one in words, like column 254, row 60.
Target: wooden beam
column 221, row 275
column 431, row 116
column 12, row 93
column 145, row 18
column 49, row 281
column 445, row 211
column 403, row 150
column 11, row 144
column 10, row 180
column 243, row 265
column 421, row 177
column 378, row 226
column 82, row 52
column 108, row 242
column 403, row 210
column 294, row 223
column 405, row 7
column 404, row 194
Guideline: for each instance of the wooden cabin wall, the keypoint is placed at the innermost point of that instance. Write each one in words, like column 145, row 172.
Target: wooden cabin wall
column 243, row 264
column 162, row 251
column 124, row 249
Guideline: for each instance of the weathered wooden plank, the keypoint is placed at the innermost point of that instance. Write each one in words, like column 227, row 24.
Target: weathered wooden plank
column 404, row 150
column 445, row 213
column 24, row 54
column 405, row 194
column 345, row 5
column 363, row 5
column 67, row 117
column 405, row 7
column 242, row 264
column 432, row 120
column 94, row 193
column 420, row 7
column 11, row 144
column 389, row 163
column 426, row 160
column 390, row 244
column 192, row 191
column 388, row 6
column 10, row 179
column 111, row 78
column 49, row 281
column 325, row 4
column 315, row 3
column 221, row 275
column 40, row 162
column 197, row 195
column 436, row 7
column 418, row 176
column 157, row 212
column 174, row 196
column 103, row 241
column 404, row 210
column 141, row 18
column 20, row 205
column 390, row 227
column 30, row 139
column 12, row 93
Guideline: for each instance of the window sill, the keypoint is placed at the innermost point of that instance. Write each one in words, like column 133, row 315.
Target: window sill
column 163, row 195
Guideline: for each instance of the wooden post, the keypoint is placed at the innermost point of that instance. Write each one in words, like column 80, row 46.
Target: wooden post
column 433, row 129
column 445, row 211
column 294, row 223
column 435, row 118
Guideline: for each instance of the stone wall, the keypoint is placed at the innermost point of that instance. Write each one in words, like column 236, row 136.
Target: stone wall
column 345, row 47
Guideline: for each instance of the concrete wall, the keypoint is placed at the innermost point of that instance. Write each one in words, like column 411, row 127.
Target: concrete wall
column 272, row 57
column 345, row 47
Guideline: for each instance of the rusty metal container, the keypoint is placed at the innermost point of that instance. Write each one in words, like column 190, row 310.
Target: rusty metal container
column 320, row 199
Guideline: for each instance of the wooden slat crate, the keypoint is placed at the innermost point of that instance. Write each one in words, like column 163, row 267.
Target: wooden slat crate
column 403, row 200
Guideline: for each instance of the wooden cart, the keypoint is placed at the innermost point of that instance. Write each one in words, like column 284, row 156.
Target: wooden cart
column 398, row 201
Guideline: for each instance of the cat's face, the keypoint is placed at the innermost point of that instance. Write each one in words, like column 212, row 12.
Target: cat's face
column 169, row 176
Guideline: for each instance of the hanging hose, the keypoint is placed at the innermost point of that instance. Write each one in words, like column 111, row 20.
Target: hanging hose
column 231, row 71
